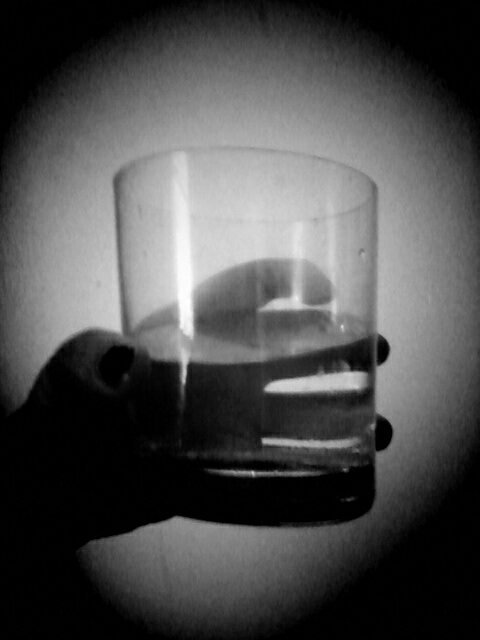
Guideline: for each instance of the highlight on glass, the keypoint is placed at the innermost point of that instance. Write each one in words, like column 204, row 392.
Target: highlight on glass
column 249, row 275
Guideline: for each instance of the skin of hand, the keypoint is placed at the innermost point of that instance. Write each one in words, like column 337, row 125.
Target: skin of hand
column 72, row 465
column 74, row 470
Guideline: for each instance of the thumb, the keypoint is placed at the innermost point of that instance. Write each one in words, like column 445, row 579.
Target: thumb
column 96, row 366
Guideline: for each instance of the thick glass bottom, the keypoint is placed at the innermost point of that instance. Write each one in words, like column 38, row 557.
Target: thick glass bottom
column 264, row 495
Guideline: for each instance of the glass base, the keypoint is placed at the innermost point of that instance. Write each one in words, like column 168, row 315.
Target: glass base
column 262, row 496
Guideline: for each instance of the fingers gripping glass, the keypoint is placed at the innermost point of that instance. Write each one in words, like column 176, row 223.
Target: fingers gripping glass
column 250, row 278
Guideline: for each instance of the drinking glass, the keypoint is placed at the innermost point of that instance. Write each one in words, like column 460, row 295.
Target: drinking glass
column 249, row 276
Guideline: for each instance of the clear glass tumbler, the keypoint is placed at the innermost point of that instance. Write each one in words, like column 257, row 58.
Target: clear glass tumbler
column 249, row 275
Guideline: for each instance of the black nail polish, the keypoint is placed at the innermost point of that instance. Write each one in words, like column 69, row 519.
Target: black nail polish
column 383, row 433
column 115, row 364
column 383, row 349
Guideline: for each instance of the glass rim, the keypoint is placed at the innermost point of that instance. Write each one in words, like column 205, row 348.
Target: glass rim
column 204, row 149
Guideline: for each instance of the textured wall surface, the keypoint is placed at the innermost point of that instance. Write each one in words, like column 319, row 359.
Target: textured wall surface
column 274, row 78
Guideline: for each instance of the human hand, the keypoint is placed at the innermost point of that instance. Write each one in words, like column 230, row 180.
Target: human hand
column 73, row 452
column 70, row 451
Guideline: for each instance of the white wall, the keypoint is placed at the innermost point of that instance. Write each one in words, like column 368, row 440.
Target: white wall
column 288, row 82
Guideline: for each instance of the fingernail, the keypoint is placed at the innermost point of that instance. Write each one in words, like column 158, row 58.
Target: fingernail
column 115, row 364
column 383, row 433
column 383, row 349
